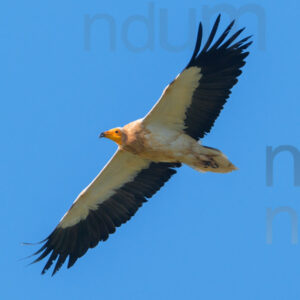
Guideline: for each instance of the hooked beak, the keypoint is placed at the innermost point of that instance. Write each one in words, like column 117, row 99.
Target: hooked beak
column 102, row 134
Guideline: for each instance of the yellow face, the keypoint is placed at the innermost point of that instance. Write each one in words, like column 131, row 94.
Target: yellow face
column 114, row 134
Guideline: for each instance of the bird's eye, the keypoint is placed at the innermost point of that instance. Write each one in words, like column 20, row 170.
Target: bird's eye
column 117, row 131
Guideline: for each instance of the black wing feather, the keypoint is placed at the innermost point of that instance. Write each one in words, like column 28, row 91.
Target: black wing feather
column 74, row 241
column 220, row 65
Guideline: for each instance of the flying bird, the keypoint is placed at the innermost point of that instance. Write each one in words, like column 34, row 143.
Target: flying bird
column 152, row 148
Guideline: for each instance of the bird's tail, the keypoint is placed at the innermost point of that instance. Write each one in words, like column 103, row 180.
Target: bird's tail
column 213, row 160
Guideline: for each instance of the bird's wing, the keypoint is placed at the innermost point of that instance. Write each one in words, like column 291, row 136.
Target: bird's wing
column 193, row 101
column 110, row 200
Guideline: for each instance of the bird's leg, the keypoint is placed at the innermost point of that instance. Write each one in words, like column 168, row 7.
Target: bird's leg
column 210, row 163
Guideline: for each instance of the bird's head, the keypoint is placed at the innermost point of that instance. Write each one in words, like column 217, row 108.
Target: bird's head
column 115, row 134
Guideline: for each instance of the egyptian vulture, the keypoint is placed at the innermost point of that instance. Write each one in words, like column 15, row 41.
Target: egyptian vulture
column 152, row 148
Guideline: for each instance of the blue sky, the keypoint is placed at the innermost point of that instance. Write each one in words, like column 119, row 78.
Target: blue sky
column 204, row 236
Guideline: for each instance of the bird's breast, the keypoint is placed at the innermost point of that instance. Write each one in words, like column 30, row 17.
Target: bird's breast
column 159, row 144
